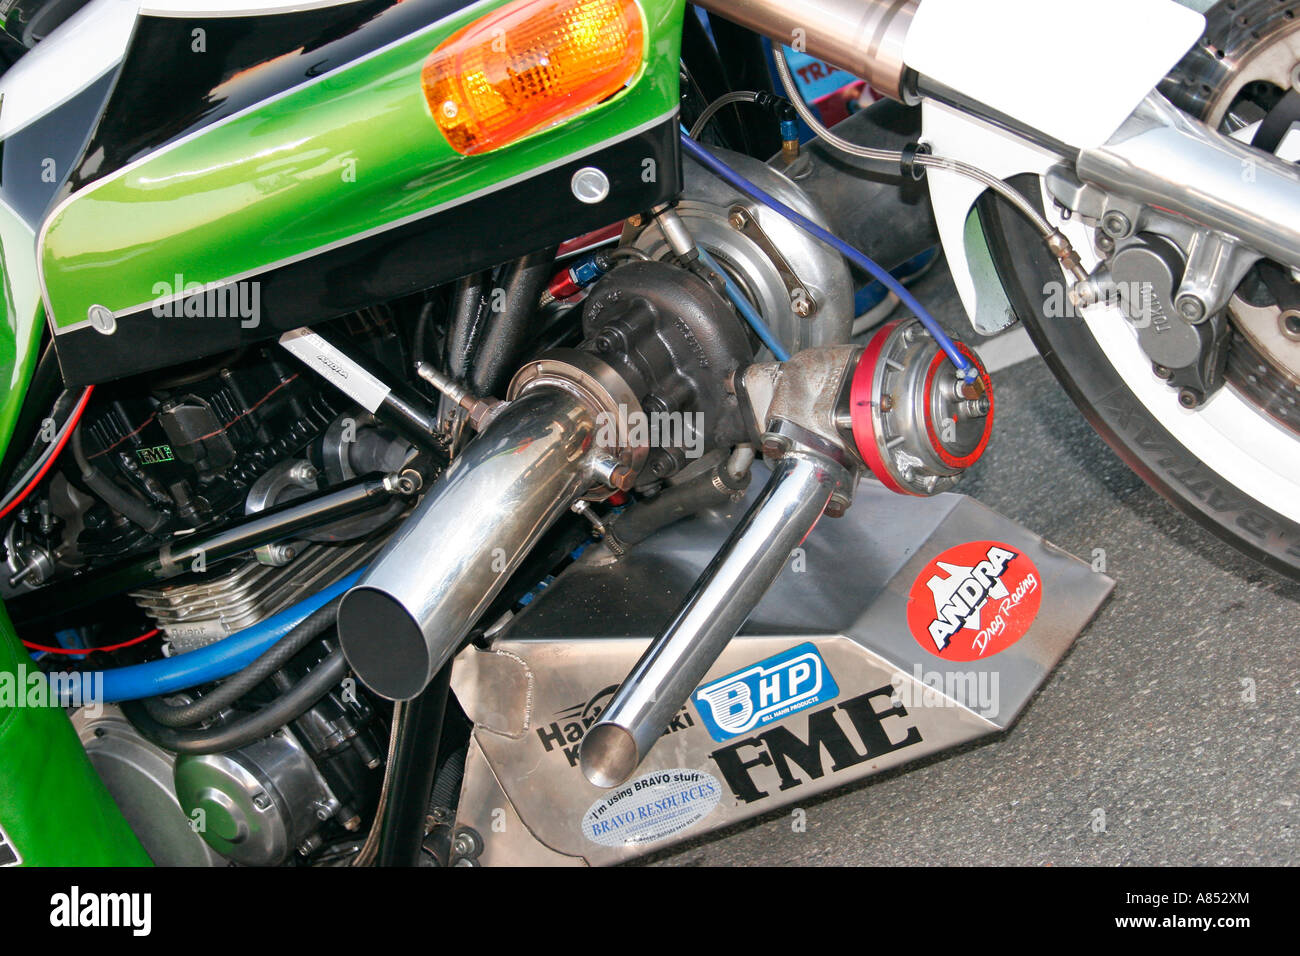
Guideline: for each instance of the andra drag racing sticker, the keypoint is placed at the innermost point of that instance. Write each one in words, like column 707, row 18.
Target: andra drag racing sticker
column 974, row 600
column 652, row 807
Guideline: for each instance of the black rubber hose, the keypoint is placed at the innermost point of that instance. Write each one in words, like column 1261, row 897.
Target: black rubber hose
column 291, row 705
column 423, row 330
column 271, row 660
column 120, row 500
column 713, row 488
column 506, row 334
column 468, row 314
column 446, row 785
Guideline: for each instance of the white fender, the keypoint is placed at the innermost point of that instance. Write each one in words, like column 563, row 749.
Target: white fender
column 1073, row 69
column 960, row 136
column 1015, row 56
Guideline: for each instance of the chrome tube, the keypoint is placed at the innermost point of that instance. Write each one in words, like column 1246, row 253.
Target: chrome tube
column 1162, row 157
column 719, row 603
column 411, row 609
column 864, row 37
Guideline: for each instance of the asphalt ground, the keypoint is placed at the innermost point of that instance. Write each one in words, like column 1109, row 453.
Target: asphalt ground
column 1164, row 737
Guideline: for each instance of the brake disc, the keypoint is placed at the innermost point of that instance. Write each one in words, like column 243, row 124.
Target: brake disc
column 1240, row 72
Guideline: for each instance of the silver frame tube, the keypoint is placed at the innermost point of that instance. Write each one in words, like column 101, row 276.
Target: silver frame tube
column 1162, row 157
column 720, row 602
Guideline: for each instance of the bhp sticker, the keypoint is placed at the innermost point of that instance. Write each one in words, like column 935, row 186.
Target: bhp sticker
column 974, row 600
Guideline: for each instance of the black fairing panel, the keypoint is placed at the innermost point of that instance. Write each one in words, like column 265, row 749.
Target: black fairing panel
column 466, row 238
column 36, row 159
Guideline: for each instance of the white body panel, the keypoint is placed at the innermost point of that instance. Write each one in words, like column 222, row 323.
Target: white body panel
column 1074, row 69
column 76, row 54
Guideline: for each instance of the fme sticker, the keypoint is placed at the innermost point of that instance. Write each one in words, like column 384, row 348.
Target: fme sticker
column 770, row 690
column 652, row 807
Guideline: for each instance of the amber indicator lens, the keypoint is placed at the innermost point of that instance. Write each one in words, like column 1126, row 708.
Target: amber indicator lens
column 530, row 65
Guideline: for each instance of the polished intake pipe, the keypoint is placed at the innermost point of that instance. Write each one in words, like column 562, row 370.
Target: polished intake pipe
column 864, row 37
column 417, row 601
column 716, row 607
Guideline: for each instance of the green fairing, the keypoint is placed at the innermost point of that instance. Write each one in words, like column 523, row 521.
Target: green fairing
column 353, row 152
column 54, row 809
column 350, row 153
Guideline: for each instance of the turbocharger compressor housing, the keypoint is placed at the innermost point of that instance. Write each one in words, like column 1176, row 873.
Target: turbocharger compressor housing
column 802, row 288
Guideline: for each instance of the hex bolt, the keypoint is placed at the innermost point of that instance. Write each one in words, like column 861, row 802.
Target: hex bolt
column 1162, row 373
column 1189, row 398
column 1115, row 224
column 1190, row 307
column 800, row 304
column 303, row 473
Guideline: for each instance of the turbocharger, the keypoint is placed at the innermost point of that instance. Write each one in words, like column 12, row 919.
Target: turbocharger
column 660, row 341
column 896, row 410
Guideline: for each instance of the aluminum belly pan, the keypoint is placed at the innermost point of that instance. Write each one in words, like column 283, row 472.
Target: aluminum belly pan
column 831, row 680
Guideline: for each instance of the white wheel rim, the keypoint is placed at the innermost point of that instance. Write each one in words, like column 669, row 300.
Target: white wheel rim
column 1230, row 436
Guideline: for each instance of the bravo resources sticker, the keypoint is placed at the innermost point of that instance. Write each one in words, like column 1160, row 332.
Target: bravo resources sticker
column 974, row 600
column 770, row 690
column 652, row 807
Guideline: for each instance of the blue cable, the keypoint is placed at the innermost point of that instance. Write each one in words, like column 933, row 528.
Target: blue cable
column 729, row 175
column 745, row 308
column 207, row 664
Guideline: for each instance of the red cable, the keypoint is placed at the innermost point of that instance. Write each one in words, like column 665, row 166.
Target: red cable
column 87, row 650
column 73, row 421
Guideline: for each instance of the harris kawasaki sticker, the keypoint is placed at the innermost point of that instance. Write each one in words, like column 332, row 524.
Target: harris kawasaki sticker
column 974, row 600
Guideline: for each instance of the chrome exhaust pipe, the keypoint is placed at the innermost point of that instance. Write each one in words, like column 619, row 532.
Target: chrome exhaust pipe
column 1162, row 157
column 408, row 614
column 720, row 602
column 864, row 37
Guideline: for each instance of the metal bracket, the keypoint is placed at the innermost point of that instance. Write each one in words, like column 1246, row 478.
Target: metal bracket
column 801, row 298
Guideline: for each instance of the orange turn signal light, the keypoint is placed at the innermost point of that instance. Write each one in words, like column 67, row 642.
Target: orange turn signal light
column 529, row 65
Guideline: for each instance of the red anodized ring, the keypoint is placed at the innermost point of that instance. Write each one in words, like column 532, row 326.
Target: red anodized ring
column 860, row 410
column 947, row 457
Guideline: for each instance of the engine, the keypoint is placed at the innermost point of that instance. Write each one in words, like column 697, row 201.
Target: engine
column 350, row 506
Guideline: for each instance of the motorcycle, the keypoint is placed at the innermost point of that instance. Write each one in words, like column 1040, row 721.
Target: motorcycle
column 436, row 434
